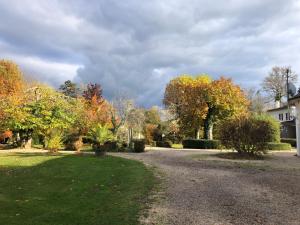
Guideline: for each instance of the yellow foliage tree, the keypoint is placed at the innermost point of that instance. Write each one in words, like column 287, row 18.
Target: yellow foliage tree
column 200, row 102
column 184, row 98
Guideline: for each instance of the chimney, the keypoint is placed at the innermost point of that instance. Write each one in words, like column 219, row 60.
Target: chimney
column 277, row 104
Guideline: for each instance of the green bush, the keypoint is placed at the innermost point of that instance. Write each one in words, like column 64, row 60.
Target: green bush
column 138, row 145
column 291, row 141
column 249, row 135
column 279, row 146
column 201, row 144
column 54, row 142
column 164, row 144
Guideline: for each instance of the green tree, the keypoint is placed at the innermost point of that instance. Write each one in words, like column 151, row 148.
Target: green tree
column 42, row 110
column 70, row 89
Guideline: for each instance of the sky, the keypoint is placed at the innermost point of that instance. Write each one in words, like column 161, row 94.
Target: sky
column 135, row 47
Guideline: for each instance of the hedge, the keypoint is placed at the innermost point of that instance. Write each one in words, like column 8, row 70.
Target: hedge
column 279, row 146
column 201, row 144
column 291, row 141
column 164, row 144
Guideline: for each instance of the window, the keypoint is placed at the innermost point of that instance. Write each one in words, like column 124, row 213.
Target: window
column 281, row 116
column 287, row 116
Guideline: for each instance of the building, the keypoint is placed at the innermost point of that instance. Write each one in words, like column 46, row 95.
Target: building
column 287, row 121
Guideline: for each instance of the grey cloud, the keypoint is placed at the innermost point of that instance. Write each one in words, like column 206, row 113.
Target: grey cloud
column 137, row 46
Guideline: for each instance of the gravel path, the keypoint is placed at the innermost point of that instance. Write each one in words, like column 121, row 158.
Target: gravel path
column 211, row 191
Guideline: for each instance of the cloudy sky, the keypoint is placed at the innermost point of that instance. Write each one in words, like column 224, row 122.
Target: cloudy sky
column 137, row 46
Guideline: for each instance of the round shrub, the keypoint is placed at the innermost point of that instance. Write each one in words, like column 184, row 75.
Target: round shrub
column 201, row 144
column 279, row 146
column 138, row 145
column 249, row 135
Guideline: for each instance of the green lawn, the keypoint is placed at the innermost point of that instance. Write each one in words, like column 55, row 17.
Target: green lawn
column 71, row 190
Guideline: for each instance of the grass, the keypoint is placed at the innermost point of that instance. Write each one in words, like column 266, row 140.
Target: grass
column 177, row 146
column 68, row 189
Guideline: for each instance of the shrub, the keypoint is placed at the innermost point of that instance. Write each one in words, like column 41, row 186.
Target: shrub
column 138, row 145
column 74, row 142
column 112, row 146
column 249, row 135
column 99, row 135
column 291, row 141
column 201, row 144
column 164, row 144
column 279, row 146
column 54, row 141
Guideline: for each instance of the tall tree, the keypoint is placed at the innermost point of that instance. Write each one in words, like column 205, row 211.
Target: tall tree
column 11, row 78
column 198, row 102
column 93, row 93
column 184, row 98
column 70, row 89
column 11, row 85
column 275, row 83
column 224, row 100
column 121, row 107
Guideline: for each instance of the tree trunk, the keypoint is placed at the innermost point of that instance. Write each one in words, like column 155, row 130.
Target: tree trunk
column 198, row 133
column 208, row 125
column 27, row 144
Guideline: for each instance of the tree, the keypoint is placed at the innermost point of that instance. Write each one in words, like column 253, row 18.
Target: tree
column 224, row 100
column 11, row 78
column 135, row 122
column 11, row 84
column 69, row 89
column 184, row 99
column 257, row 102
column 42, row 111
column 152, row 116
column 93, row 94
column 119, row 111
column 198, row 102
column 275, row 83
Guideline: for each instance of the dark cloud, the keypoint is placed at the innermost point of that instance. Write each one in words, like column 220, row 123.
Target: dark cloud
column 136, row 46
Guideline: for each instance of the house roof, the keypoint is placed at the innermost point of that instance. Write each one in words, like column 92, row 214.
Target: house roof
column 295, row 97
column 277, row 109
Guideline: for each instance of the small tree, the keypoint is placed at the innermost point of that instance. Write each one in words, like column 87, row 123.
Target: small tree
column 99, row 135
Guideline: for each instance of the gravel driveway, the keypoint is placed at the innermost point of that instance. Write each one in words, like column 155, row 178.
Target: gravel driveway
column 203, row 189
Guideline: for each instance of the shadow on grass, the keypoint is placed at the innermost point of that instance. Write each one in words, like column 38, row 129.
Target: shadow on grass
column 36, row 188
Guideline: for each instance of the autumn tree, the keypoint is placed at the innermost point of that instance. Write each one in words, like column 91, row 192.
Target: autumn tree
column 184, row 98
column 11, row 85
column 11, row 78
column 69, row 89
column 42, row 111
column 199, row 102
column 224, row 100
column 93, row 93
column 275, row 83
